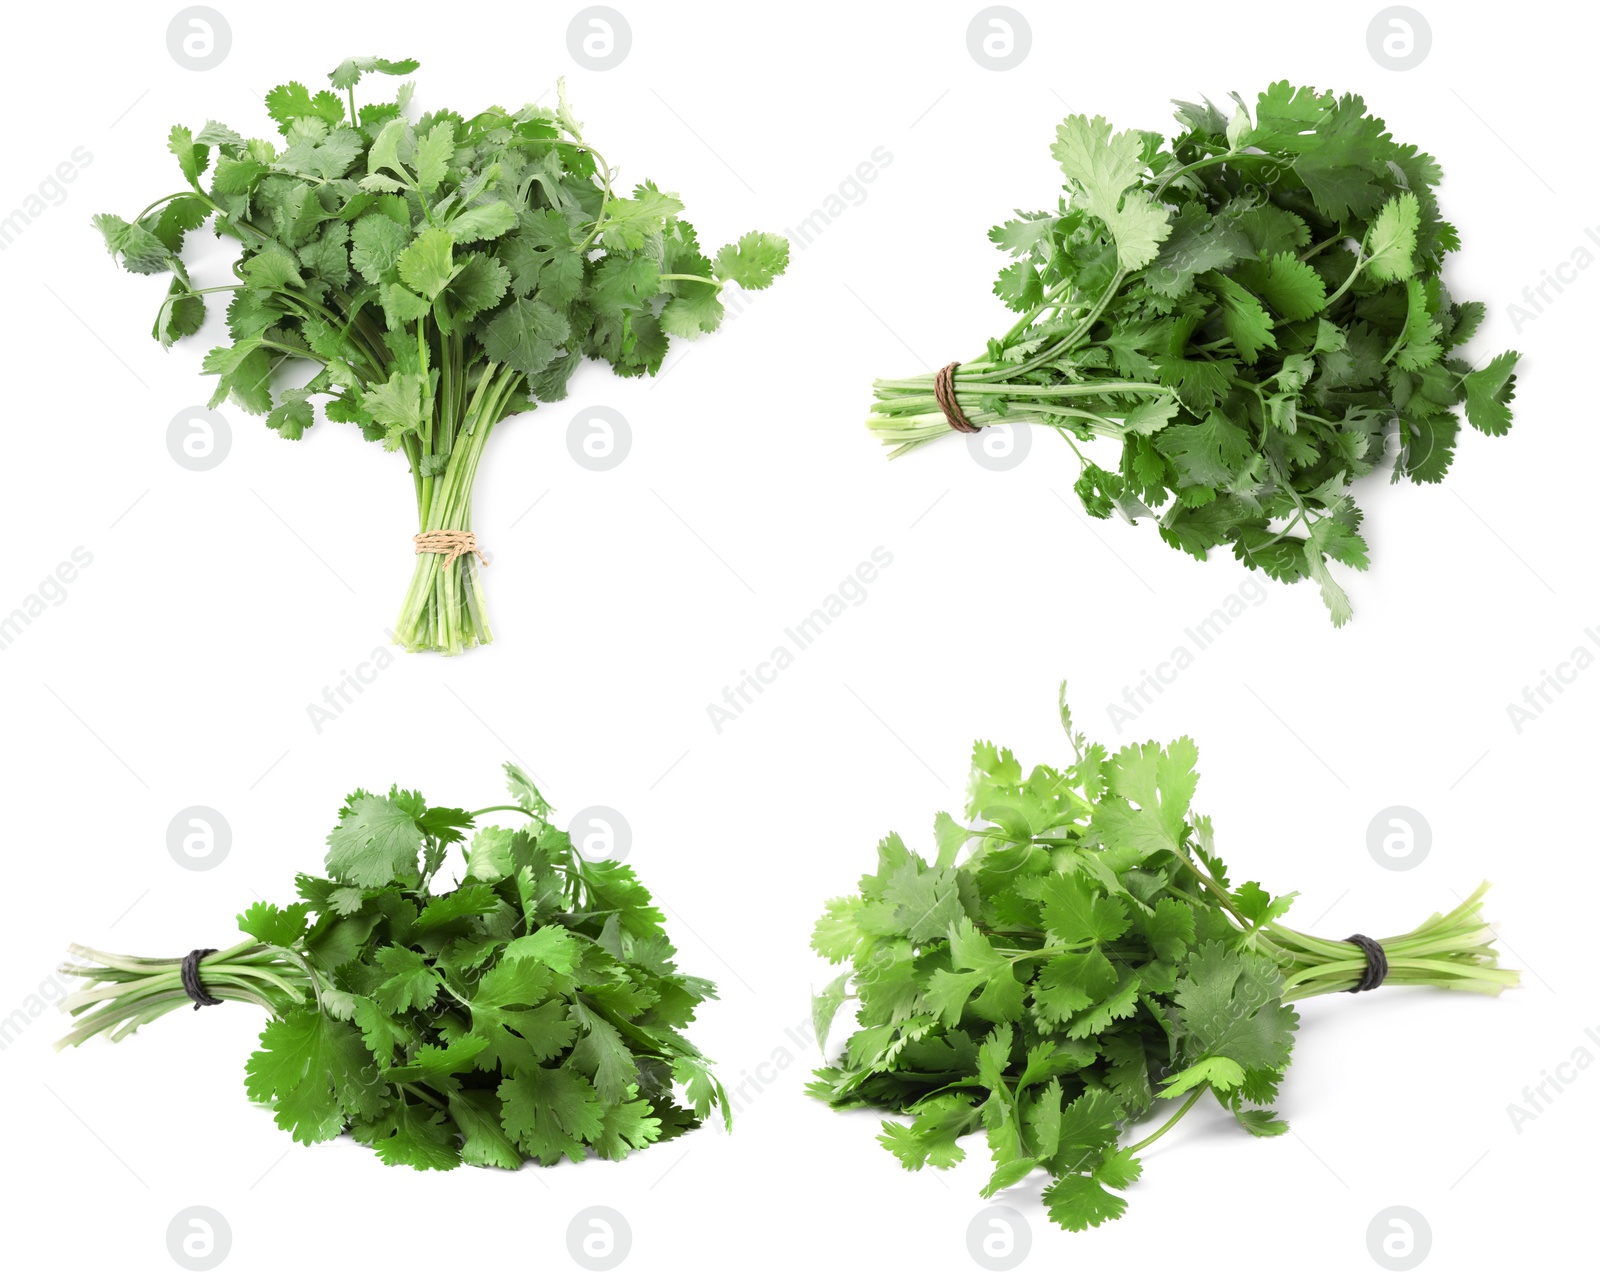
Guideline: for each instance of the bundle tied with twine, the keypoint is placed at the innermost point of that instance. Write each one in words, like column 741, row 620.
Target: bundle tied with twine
column 452, row 543
column 944, row 390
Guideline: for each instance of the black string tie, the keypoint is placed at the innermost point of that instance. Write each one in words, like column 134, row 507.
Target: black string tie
column 1377, row 964
column 189, row 973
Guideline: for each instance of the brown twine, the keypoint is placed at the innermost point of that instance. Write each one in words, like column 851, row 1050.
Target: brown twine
column 449, row 542
column 944, row 391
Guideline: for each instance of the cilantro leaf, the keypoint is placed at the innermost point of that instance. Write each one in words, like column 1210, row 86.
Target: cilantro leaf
column 550, row 1113
column 1488, row 393
column 525, row 336
column 755, row 261
column 273, row 926
column 315, row 1073
column 349, row 72
column 1103, row 166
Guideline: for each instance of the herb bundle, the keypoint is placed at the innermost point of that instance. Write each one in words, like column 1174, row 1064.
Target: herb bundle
column 531, row 1011
column 440, row 276
column 1089, row 958
column 1249, row 311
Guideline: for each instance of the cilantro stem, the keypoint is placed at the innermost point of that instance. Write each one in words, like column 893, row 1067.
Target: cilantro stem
column 229, row 220
column 1040, row 359
column 300, row 961
column 1047, row 951
column 1398, row 343
column 1311, row 252
column 572, row 140
column 1075, row 389
column 296, row 351
column 125, row 991
column 165, row 199
column 1083, row 462
column 129, row 962
column 1051, row 299
column 1168, row 179
column 455, row 994
column 1361, row 260
column 444, row 608
column 1294, row 493
column 423, row 1096
column 1171, row 1122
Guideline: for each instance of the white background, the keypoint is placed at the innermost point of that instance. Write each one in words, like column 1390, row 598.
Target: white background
column 219, row 604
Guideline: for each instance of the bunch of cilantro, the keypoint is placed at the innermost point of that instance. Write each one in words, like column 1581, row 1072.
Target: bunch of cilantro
column 532, row 1011
column 1253, row 311
column 1088, row 959
column 432, row 277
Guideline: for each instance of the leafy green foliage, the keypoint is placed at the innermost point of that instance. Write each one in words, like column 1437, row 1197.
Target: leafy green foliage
column 531, row 1011
column 1254, row 311
column 422, row 279
column 1084, row 962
